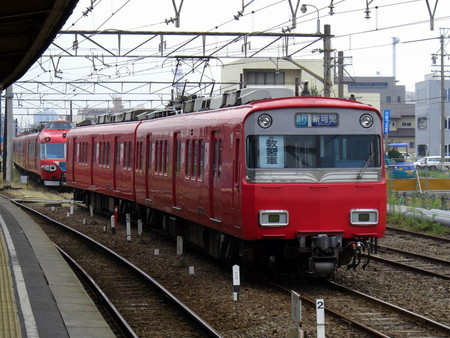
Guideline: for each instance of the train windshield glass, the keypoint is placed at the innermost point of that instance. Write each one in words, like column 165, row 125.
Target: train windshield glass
column 313, row 151
column 53, row 150
column 60, row 125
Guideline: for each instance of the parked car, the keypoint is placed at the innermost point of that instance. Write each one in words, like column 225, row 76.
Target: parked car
column 433, row 163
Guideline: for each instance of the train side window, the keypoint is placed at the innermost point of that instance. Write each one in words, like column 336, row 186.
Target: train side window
column 166, row 158
column 75, row 150
column 236, row 161
column 123, row 161
column 149, row 153
column 117, row 152
column 128, row 158
column 108, row 153
column 217, row 158
column 188, row 158
column 101, row 153
column 94, row 152
column 201, row 159
column 219, row 167
column 139, row 155
column 126, row 155
column 177, row 152
column 156, row 156
column 195, row 160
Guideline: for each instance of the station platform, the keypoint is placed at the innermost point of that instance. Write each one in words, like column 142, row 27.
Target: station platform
column 40, row 296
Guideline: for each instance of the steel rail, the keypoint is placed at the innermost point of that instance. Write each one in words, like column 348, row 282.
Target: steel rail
column 413, row 254
column 336, row 314
column 203, row 325
column 416, row 317
column 121, row 322
column 408, row 267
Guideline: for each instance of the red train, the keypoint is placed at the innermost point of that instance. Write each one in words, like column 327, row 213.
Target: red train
column 295, row 183
column 42, row 154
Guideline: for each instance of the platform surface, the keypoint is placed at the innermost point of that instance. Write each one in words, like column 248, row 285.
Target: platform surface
column 40, row 296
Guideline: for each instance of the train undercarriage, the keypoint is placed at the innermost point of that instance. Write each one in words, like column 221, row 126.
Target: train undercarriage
column 307, row 256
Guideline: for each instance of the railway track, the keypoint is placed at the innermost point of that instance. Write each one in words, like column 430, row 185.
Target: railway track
column 370, row 316
column 426, row 265
column 418, row 252
column 263, row 313
column 409, row 233
column 147, row 307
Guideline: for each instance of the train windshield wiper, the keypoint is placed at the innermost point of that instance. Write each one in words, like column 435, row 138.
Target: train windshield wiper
column 372, row 154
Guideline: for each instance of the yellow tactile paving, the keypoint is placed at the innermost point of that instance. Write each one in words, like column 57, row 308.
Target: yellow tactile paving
column 9, row 319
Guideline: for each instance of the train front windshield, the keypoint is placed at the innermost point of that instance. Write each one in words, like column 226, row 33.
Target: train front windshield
column 283, row 157
column 53, row 150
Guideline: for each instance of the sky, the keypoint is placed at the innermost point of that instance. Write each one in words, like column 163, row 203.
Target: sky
column 363, row 29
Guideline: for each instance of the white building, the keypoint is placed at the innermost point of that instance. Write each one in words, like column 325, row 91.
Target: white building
column 295, row 75
column 428, row 116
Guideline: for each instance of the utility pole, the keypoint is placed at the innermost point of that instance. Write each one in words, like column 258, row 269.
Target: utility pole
column 327, row 61
column 341, row 75
column 395, row 41
column 442, row 100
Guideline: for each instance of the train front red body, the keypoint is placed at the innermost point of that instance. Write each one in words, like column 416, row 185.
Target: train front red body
column 314, row 173
column 322, row 165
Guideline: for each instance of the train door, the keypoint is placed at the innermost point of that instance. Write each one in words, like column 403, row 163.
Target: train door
column 116, row 161
column 148, row 167
column 236, row 193
column 27, row 154
column 93, row 159
column 215, row 173
column 176, row 169
column 73, row 146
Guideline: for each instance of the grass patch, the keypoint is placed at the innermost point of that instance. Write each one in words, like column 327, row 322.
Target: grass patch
column 418, row 224
column 426, row 173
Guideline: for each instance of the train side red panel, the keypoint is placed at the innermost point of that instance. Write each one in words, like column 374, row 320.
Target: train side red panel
column 100, row 159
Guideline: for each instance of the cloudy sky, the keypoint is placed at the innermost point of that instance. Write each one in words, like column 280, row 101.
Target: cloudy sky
column 363, row 29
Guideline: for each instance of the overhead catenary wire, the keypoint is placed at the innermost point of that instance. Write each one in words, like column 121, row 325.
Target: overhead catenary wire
column 155, row 70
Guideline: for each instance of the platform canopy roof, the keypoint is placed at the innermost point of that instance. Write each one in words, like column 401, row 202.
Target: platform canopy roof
column 27, row 27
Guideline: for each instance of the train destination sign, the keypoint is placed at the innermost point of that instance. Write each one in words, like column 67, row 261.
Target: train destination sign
column 271, row 152
column 305, row 120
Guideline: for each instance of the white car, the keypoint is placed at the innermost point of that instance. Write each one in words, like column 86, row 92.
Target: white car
column 433, row 163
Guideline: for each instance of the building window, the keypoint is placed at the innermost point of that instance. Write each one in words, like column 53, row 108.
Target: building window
column 266, row 78
column 422, row 150
column 422, row 123
column 406, row 124
column 388, row 99
column 399, row 99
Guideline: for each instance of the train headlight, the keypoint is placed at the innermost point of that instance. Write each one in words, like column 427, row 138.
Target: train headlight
column 273, row 218
column 265, row 121
column 366, row 121
column 49, row 167
column 364, row 217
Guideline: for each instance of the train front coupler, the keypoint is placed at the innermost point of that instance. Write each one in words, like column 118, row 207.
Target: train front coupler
column 325, row 252
column 358, row 249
